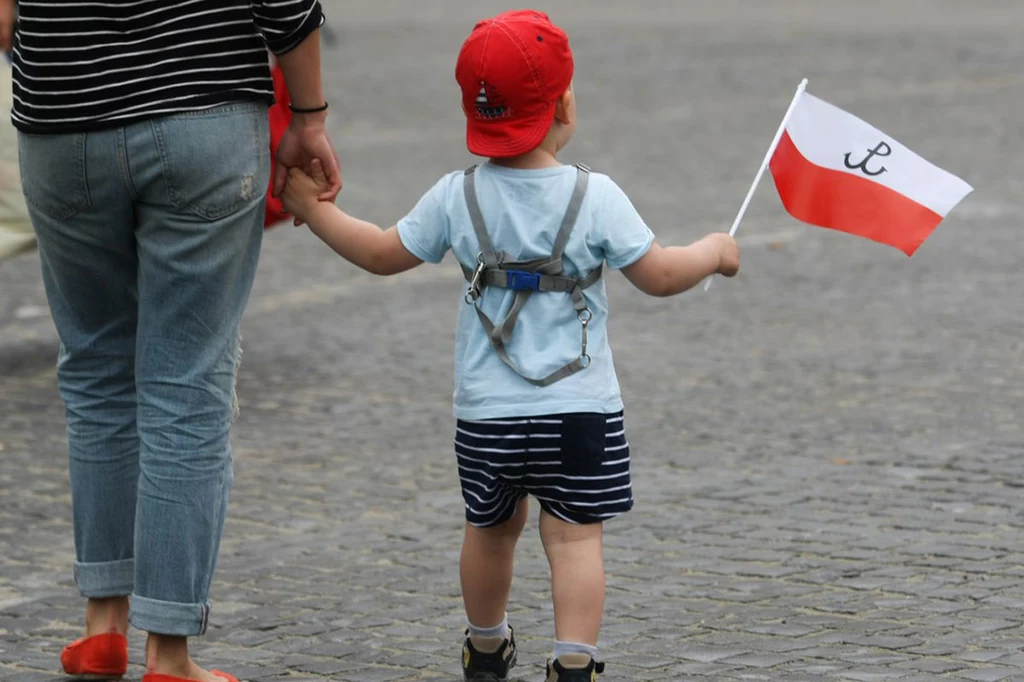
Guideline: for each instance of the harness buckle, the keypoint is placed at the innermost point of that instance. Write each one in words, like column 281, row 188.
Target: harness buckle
column 584, row 316
column 520, row 280
column 473, row 293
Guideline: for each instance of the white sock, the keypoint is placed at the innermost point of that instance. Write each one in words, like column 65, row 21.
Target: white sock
column 563, row 648
column 499, row 630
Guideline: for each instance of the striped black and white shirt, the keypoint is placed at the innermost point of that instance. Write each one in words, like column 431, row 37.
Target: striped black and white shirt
column 90, row 64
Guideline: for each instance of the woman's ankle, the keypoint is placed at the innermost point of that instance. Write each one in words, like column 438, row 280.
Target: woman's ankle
column 108, row 614
column 168, row 655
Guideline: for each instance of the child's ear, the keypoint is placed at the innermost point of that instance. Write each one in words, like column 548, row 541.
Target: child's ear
column 564, row 108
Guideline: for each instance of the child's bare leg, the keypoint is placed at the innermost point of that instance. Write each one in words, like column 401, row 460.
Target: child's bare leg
column 577, row 577
column 486, row 568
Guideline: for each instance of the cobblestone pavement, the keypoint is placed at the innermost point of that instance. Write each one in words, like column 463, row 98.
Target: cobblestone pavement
column 828, row 450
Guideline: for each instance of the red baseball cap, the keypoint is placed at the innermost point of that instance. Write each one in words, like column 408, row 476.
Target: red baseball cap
column 512, row 69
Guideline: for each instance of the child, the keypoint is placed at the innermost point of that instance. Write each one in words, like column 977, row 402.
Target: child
column 536, row 397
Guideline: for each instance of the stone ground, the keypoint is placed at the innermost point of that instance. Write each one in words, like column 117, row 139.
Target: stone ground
column 828, row 450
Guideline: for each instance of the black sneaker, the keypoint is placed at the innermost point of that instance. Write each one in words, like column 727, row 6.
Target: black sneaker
column 488, row 659
column 574, row 668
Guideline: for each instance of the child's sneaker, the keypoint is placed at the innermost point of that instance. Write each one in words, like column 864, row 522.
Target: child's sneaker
column 488, row 659
column 574, row 668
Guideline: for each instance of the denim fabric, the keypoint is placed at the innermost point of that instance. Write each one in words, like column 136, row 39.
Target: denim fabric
column 149, row 236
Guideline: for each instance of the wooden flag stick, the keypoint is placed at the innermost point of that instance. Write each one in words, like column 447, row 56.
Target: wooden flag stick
column 764, row 165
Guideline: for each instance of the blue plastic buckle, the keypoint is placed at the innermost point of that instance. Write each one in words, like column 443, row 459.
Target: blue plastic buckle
column 520, row 280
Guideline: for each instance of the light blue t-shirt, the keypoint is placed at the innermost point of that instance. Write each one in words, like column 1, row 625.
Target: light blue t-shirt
column 523, row 209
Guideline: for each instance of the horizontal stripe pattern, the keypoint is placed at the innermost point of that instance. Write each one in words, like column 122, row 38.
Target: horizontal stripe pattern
column 83, row 65
column 577, row 479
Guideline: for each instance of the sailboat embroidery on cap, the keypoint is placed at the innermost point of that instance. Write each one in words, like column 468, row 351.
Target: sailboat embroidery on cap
column 490, row 104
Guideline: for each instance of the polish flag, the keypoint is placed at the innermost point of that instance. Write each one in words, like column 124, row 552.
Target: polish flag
column 834, row 170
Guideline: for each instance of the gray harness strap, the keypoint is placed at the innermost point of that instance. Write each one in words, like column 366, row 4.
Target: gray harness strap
column 525, row 277
column 487, row 254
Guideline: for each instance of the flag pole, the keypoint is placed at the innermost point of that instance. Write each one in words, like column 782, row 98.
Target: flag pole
column 764, row 165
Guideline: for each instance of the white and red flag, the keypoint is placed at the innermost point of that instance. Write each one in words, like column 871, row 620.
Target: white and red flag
column 834, row 170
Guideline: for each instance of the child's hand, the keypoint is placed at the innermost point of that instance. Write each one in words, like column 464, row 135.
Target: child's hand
column 728, row 253
column 300, row 195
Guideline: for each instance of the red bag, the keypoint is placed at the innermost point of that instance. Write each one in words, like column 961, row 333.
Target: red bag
column 280, row 117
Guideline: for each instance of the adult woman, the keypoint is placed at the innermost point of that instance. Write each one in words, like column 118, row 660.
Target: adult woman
column 144, row 158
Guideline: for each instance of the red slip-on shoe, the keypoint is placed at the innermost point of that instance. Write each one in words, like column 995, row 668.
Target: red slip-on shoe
column 104, row 655
column 160, row 677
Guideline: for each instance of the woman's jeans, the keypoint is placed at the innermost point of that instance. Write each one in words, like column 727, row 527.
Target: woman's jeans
column 149, row 236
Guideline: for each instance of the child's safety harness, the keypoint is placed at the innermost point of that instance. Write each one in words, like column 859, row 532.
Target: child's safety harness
column 525, row 277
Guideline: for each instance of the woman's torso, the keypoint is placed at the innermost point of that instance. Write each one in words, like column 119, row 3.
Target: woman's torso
column 84, row 66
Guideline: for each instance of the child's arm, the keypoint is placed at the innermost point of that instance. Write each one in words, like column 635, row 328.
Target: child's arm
column 666, row 271
column 357, row 241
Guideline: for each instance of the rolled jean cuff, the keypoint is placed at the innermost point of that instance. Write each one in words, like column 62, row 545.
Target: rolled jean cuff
column 105, row 579
column 168, row 617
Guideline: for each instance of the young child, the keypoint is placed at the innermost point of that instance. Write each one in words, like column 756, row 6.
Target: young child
column 536, row 397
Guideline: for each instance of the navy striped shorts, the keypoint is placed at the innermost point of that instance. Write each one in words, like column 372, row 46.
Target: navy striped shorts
column 576, row 465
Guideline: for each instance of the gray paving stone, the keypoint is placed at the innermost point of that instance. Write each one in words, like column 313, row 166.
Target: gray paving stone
column 865, row 674
column 759, row 660
column 981, row 655
column 987, row 674
column 931, row 665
